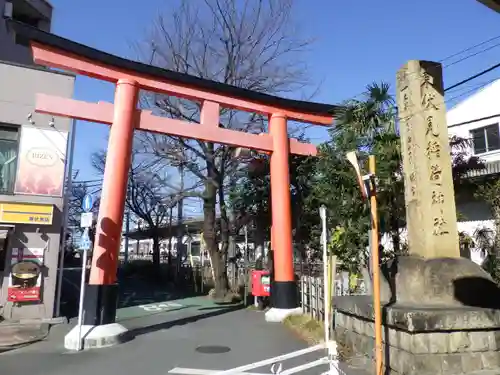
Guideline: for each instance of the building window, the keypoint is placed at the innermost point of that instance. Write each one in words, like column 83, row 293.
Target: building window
column 25, row 13
column 22, row 40
column 9, row 144
column 486, row 139
column 20, row 16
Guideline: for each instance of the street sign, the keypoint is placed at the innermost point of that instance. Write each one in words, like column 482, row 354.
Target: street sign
column 85, row 240
column 85, row 244
column 87, row 203
column 86, row 219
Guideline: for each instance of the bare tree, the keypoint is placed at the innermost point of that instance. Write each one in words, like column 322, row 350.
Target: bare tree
column 249, row 44
column 150, row 196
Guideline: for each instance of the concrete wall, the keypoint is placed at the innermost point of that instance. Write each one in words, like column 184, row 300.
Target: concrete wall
column 17, row 99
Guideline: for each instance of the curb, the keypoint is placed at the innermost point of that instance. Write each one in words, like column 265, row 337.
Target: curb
column 43, row 333
column 49, row 321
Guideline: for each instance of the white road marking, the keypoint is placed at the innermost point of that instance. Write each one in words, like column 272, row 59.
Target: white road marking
column 196, row 371
column 270, row 361
column 157, row 307
column 305, row 366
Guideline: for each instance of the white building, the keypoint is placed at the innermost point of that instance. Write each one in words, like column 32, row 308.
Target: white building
column 477, row 118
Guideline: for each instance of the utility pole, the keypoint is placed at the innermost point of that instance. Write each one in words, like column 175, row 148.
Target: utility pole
column 180, row 227
column 170, row 237
column 127, row 230
column 69, row 178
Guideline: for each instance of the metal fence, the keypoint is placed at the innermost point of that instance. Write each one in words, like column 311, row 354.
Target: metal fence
column 312, row 292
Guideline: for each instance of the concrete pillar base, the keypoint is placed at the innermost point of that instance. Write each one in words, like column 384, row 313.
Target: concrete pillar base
column 275, row 315
column 94, row 337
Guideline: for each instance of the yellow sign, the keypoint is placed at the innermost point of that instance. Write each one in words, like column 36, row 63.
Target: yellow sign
column 26, row 213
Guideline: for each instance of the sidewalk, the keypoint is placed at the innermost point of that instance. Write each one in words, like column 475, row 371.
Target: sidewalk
column 14, row 335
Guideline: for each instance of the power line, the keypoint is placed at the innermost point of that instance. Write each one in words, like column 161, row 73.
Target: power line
column 479, row 84
column 475, row 120
column 471, row 48
column 472, row 89
column 473, row 55
column 482, row 73
column 467, row 49
column 87, row 181
column 420, row 111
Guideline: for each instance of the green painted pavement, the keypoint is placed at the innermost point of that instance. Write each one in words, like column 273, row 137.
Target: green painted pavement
column 189, row 306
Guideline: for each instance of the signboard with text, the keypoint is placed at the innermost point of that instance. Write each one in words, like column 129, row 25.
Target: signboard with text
column 26, row 213
column 25, row 279
column 42, row 158
column 86, row 219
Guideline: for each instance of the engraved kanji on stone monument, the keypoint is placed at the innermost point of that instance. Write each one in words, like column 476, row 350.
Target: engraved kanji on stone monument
column 430, row 199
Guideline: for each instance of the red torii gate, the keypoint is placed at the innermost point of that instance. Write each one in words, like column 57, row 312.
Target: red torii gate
column 124, row 117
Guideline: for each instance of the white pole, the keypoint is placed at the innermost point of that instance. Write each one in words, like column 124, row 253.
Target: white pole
column 82, row 294
column 326, row 303
column 331, row 345
column 126, row 239
column 67, row 194
column 246, row 239
column 189, row 248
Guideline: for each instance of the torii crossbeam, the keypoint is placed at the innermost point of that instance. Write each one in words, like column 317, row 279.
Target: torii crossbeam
column 124, row 118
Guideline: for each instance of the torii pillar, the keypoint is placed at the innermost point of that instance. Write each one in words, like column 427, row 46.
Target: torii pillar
column 124, row 117
column 284, row 294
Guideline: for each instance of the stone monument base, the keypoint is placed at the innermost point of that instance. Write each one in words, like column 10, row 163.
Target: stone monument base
column 441, row 316
column 420, row 340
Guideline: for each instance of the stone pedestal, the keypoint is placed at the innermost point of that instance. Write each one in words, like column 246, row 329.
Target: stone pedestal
column 421, row 340
column 443, row 318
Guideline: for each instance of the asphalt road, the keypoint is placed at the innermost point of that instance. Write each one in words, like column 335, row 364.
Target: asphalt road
column 172, row 334
column 168, row 341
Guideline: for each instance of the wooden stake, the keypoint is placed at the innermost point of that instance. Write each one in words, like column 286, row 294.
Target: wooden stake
column 376, row 268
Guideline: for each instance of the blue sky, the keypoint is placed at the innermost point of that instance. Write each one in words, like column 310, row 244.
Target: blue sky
column 357, row 42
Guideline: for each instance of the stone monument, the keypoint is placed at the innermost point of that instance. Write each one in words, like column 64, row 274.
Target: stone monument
column 441, row 313
column 430, row 198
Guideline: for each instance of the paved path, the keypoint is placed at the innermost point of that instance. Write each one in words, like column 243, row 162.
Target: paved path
column 166, row 341
column 13, row 335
